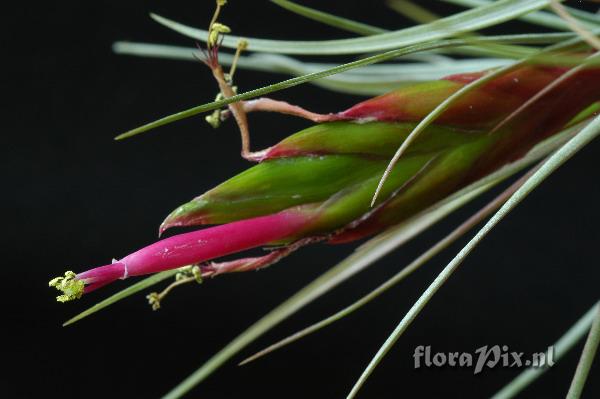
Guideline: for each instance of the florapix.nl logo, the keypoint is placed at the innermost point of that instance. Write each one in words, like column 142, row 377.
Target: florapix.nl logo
column 483, row 357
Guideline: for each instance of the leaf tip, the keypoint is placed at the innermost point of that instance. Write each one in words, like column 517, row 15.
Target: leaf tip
column 69, row 322
column 125, row 135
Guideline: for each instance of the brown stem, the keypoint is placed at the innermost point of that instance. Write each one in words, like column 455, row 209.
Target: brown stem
column 282, row 107
column 213, row 269
column 237, row 109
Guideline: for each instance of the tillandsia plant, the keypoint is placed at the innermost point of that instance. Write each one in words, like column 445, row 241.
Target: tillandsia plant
column 388, row 166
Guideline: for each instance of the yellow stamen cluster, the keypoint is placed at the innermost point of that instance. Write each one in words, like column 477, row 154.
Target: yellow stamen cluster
column 216, row 29
column 71, row 287
column 214, row 119
column 154, row 300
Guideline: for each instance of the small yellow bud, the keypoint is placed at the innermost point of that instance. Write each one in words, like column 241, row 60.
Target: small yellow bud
column 221, row 28
column 216, row 29
column 214, row 119
column 154, row 300
column 197, row 273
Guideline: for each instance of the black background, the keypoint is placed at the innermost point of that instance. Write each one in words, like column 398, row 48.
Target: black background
column 76, row 198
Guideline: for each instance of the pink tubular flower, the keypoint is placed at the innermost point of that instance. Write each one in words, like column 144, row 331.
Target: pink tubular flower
column 188, row 248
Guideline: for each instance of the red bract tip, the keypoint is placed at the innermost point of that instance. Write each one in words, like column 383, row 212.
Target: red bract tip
column 481, row 108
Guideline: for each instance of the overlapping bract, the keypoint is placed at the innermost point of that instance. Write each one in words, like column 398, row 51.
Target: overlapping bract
column 332, row 169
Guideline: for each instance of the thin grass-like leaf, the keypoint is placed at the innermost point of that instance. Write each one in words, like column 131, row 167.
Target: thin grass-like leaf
column 574, row 24
column 561, row 348
column 406, row 8
column 556, row 160
column 582, row 15
column 434, row 64
column 370, row 80
column 329, row 19
column 587, row 358
column 413, row 11
column 422, row 15
column 540, row 18
column 467, row 21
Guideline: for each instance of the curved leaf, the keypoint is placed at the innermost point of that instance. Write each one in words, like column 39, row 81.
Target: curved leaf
column 540, row 18
column 329, row 19
column 369, row 80
column 561, row 347
column 466, row 21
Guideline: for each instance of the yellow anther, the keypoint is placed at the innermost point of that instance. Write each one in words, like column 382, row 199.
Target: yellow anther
column 214, row 119
column 197, row 273
column 216, row 29
column 154, row 300
column 71, row 287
